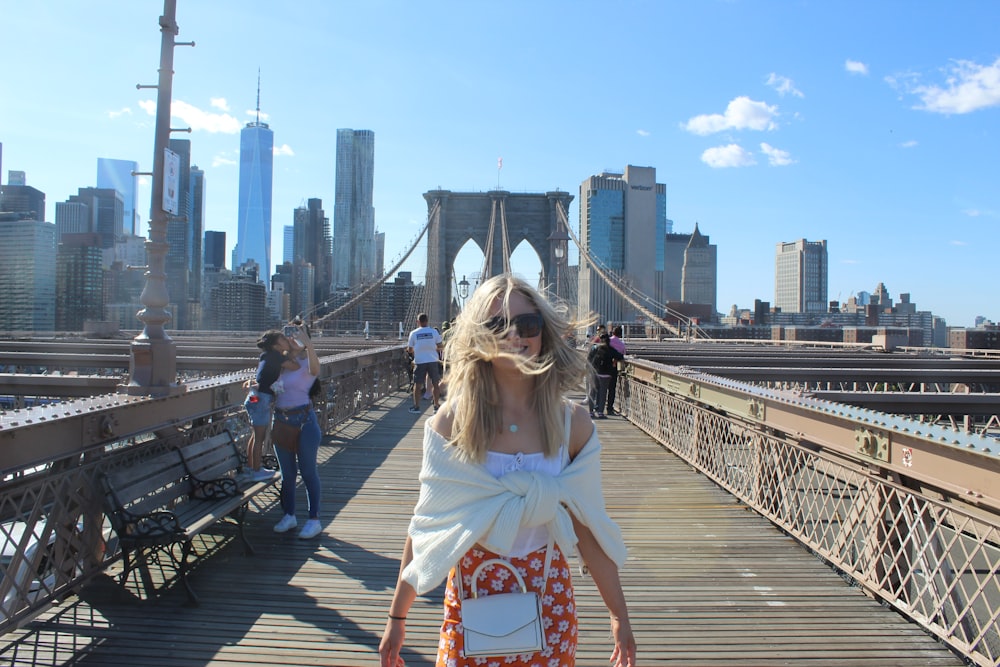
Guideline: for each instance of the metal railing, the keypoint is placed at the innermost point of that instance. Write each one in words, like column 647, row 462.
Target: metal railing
column 53, row 533
column 905, row 510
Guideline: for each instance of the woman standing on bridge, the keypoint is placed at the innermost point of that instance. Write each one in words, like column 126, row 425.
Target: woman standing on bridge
column 297, row 436
column 511, row 470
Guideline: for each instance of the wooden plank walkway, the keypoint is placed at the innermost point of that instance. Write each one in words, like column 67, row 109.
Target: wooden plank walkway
column 709, row 582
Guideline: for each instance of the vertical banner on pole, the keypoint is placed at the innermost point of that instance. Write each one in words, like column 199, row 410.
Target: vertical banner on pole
column 171, row 180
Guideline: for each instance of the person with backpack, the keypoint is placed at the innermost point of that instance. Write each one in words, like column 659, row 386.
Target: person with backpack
column 603, row 358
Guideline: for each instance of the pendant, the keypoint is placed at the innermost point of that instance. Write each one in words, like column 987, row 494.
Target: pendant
column 512, row 428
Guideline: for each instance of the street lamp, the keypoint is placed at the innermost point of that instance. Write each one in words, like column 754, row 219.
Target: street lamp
column 558, row 241
column 463, row 290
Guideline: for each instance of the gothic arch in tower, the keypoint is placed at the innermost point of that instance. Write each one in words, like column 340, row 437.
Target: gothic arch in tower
column 497, row 221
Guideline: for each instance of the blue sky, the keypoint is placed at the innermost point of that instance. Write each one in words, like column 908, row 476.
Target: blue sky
column 873, row 125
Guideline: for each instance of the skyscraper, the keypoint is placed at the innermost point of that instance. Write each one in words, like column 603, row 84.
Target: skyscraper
column 800, row 277
column 288, row 244
column 197, row 232
column 623, row 226
column 700, row 270
column 354, row 245
column 215, row 250
column 28, row 281
column 312, row 245
column 24, row 200
column 73, row 217
column 254, row 213
column 118, row 175
column 179, row 238
column 106, row 209
column 79, row 281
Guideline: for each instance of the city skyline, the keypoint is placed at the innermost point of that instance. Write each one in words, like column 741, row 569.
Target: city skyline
column 767, row 122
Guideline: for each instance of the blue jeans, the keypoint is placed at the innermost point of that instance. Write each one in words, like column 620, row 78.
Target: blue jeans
column 303, row 462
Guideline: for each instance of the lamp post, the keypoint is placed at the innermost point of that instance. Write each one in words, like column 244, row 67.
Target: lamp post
column 463, row 291
column 558, row 241
column 153, row 363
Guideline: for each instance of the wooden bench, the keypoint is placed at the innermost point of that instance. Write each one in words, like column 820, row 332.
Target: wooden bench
column 157, row 503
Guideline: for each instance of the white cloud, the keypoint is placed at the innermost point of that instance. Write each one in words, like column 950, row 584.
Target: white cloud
column 783, row 85
column 223, row 161
column 204, row 120
column 856, row 67
column 741, row 114
column 912, row 143
column 643, row 133
column 219, row 103
column 968, row 87
column 195, row 117
column 124, row 111
column 283, row 149
column 775, row 156
column 980, row 213
column 732, row 155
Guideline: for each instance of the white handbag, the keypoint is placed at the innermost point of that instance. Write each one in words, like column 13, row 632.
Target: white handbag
column 503, row 624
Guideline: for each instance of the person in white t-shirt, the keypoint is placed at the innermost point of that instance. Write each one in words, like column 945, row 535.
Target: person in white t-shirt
column 424, row 345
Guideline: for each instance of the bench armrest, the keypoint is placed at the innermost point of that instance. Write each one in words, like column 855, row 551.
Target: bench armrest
column 214, row 489
column 154, row 525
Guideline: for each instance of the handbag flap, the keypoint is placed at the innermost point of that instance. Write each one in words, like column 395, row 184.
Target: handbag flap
column 501, row 614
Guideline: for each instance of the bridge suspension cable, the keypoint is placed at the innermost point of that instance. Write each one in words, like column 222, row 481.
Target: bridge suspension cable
column 628, row 293
column 364, row 293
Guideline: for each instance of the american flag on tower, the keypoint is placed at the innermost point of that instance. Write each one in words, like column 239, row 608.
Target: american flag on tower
column 499, row 163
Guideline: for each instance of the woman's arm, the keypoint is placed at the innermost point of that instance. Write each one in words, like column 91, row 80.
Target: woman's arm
column 395, row 626
column 605, row 575
column 580, row 429
column 310, row 351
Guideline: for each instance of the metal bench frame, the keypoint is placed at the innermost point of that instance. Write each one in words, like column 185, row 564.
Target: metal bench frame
column 155, row 504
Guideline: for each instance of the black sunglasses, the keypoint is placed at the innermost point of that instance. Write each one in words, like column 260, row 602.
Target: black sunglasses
column 528, row 325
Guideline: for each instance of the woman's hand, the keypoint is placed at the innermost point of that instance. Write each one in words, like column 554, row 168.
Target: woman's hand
column 392, row 643
column 624, row 652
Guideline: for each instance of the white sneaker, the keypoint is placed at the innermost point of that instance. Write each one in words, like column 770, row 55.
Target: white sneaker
column 263, row 475
column 311, row 529
column 286, row 524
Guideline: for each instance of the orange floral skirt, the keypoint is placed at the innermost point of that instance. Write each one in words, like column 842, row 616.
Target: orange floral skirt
column 558, row 609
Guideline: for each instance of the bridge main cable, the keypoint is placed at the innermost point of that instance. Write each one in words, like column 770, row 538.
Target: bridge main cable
column 361, row 296
column 584, row 252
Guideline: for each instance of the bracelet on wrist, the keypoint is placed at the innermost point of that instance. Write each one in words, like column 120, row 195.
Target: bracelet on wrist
column 397, row 618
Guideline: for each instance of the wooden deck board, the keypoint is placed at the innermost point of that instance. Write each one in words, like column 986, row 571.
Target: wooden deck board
column 709, row 582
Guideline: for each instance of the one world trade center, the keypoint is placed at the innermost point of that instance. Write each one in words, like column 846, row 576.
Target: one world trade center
column 256, row 167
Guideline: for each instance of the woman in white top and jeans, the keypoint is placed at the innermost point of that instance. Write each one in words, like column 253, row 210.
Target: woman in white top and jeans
column 510, row 466
column 293, row 406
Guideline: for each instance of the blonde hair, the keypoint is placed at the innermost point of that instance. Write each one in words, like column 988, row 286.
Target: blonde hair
column 473, row 396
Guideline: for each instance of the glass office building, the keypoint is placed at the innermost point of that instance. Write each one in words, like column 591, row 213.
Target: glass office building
column 354, row 243
column 623, row 226
column 254, row 214
column 28, row 281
